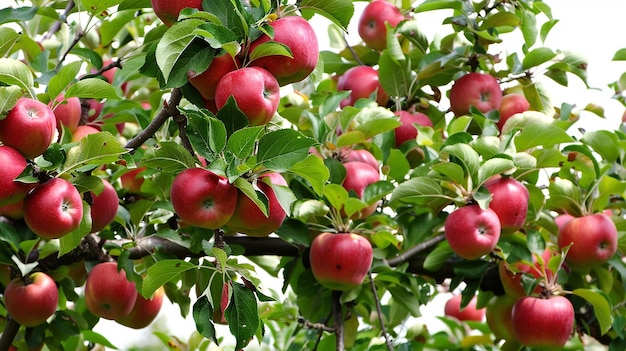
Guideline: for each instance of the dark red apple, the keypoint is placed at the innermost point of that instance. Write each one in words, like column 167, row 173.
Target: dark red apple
column 108, row 294
column 206, row 82
column 593, row 240
column 290, row 31
column 541, row 323
column 144, row 311
column 202, row 198
column 408, row 131
column 255, row 91
column 53, row 209
column 340, row 261
column 104, row 207
column 472, row 232
column 29, row 127
column 362, row 81
column 452, row 308
column 480, row 90
column 509, row 201
column 31, row 301
column 372, row 23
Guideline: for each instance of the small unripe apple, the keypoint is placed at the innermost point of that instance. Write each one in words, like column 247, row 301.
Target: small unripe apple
column 33, row 300
column 498, row 313
column 108, row 294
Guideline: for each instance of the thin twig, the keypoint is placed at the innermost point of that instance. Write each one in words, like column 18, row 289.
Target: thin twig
column 356, row 57
column 316, row 326
column 338, row 320
column 57, row 25
column 408, row 254
column 379, row 310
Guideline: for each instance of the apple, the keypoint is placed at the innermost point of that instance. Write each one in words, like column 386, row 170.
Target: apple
column 498, row 314
column 31, row 301
column 510, row 105
column 168, row 10
column 361, row 155
column 12, row 164
column 562, row 218
column 472, row 232
column 144, row 311
column 511, row 274
column 67, row 113
column 248, row 218
column 104, row 207
column 593, row 240
column 132, row 180
column 362, row 81
column 358, row 176
column 202, row 198
column 82, row 131
column 53, row 209
column 94, row 109
column 77, row 272
column 452, row 308
column 29, row 127
column 255, row 91
column 290, row 31
column 480, row 90
column 340, row 261
column 206, row 82
column 408, row 131
column 108, row 294
column 509, row 201
column 372, row 23
column 543, row 323
column 13, row 211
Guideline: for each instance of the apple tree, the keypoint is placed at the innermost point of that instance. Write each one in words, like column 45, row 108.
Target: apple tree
column 186, row 150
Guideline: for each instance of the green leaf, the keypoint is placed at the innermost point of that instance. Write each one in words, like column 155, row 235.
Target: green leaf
column 537, row 56
column 169, row 157
column 601, row 306
column 97, row 339
column 63, row 78
column 8, row 38
column 494, row 166
column 202, row 314
column 336, row 195
column 92, row 88
column 398, row 165
column 564, row 195
column 19, row 14
column 162, row 272
column 96, row 7
column 620, row 55
column 500, row 19
column 243, row 141
column 280, row 150
column 8, row 97
column 395, row 75
column 174, row 42
column 338, row 11
column 70, row 241
column 242, row 314
column 604, row 143
column 14, row 72
column 206, row 134
column 94, row 149
column 313, row 170
column 541, row 135
column 270, row 48
column 431, row 5
column 437, row 257
column 248, row 190
column 448, row 171
column 466, row 156
column 418, row 190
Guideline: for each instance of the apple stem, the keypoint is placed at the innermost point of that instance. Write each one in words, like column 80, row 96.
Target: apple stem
column 338, row 318
column 379, row 310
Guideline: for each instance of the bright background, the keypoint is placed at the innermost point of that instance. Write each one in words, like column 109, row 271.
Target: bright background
column 592, row 29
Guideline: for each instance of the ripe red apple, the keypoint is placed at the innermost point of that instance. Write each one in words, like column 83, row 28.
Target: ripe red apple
column 14, row 211
column 593, row 238
column 290, row 31
column 168, row 10
column 67, row 113
column 510, row 105
column 361, row 155
column 255, row 91
column 543, row 323
column 472, row 232
column 358, row 176
column 94, row 109
column 29, row 127
column 206, row 82
column 133, row 180
column 361, row 81
column 108, row 294
column 480, row 90
column 340, row 261
column 144, row 310
column 562, row 218
column 509, row 201
column 202, row 198
column 30, row 301
column 408, row 131
column 12, row 164
column 82, row 131
column 248, row 218
column 452, row 308
column 53, row 209
column 104, row 207
column 372, row 23
column 498, row 313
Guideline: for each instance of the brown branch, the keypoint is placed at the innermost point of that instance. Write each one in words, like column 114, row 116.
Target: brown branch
column 338, row 318
column 316, row 326
column 57, row 25
column 8, row 334
column 113, row 64
column 170, row 110
column 411, row 252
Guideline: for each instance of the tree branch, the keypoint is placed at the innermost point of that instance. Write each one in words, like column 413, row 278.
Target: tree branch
column 411, row 252
column 57, row 25
column 338, row 318
column 8, row 334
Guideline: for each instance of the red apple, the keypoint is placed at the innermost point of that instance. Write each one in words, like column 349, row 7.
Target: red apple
column 498, row 313
column 290, row 31
column 255, row 91
column 452, row 308
column 12, row 164
column 14, row 211
column 29, row 127
column 509, row 201
column 543, row 323
column 472, row 232
column 53, row 209
column 109, row 74
column 593, row 240
column 133, row 180
column 340, row 261
column 104, row 207
column 372, row 23
column 31, row 301
column 168, row 10
column 362, row 82
column 202, row 198
column 361, row 155
column 206, row 82
column 248, row 218
column 510, row 105
column 144, row 311
column 358, row 176
column 408, row 131
column 563, row 218
column 108, row 294
column 94, row 108
column 480, row 90
column 82, row 131
column 67, row 113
